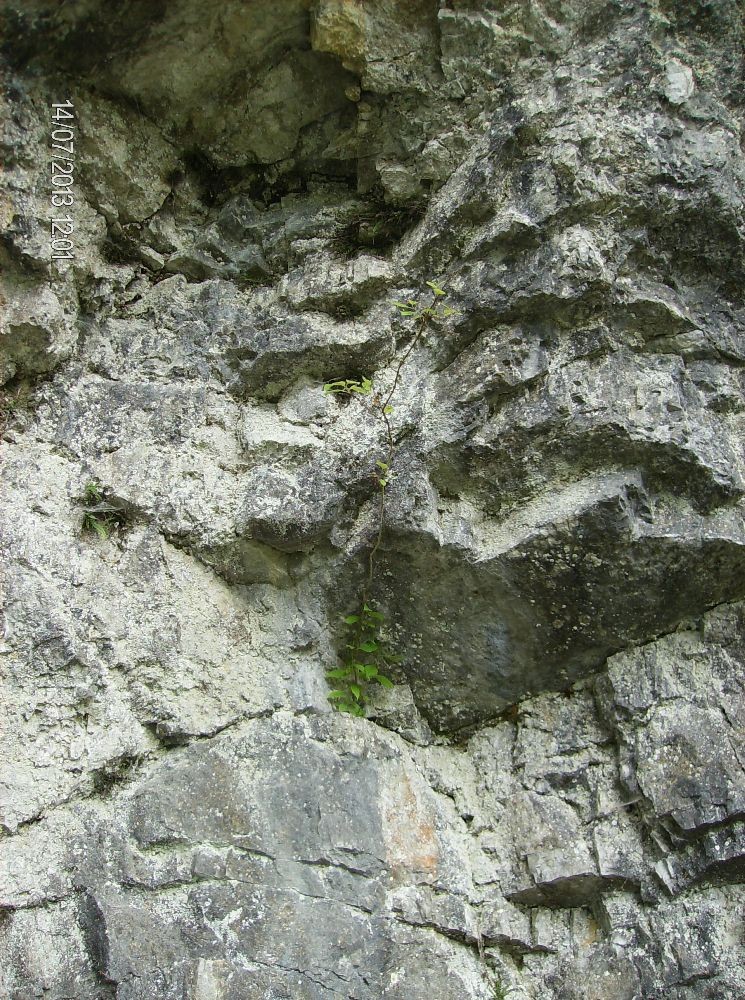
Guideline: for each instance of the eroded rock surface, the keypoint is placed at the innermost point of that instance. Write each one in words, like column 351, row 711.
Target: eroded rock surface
column 551, row 801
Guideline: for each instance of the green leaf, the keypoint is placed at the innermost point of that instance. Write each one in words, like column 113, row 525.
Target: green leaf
column 436, row 288
column 368, row 646
column 333, row 695
column 369, row 670
column 101, row 530
column 351, row 619
column 93, row 523
column 387, row 410
column 385, row 681
column 339, row 673
column 93, row 492
column 356, row 691
column 382, row 465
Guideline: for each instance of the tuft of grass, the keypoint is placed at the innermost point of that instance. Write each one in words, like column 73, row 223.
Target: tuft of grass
column 101, row 516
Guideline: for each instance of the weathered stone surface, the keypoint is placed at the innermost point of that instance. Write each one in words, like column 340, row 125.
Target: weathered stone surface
column 298, row 833
column 550, row 802
column 35, row 334
column 679, row 713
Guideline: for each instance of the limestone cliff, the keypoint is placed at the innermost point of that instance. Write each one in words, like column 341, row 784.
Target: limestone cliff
column 550, row 802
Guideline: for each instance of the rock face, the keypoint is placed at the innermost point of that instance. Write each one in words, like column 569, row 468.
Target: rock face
column 550, row 803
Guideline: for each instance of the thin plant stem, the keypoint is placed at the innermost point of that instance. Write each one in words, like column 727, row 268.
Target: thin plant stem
column 355, row 674
column 391, row 445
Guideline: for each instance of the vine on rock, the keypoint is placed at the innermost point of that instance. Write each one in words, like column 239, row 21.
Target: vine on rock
column 367, row 653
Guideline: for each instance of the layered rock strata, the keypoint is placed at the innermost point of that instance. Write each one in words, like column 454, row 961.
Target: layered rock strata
column 550, row 802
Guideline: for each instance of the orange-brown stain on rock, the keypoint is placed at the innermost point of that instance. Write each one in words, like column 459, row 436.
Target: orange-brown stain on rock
column 408, row 831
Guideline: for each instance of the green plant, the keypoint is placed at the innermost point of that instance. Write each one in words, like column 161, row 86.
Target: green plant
column 100, row 516
column 341, row 385
column 435, row 309
column 367, row 653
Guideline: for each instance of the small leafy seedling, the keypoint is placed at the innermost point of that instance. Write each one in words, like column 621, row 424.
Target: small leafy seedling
column 434, row 310
column 362, row 387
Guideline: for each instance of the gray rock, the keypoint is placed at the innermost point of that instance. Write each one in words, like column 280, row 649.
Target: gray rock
column 549, row 802
column 679, row 85
column 36, row 335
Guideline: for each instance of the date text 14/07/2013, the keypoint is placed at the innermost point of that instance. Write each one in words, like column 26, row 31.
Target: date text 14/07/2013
column 62, row 170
